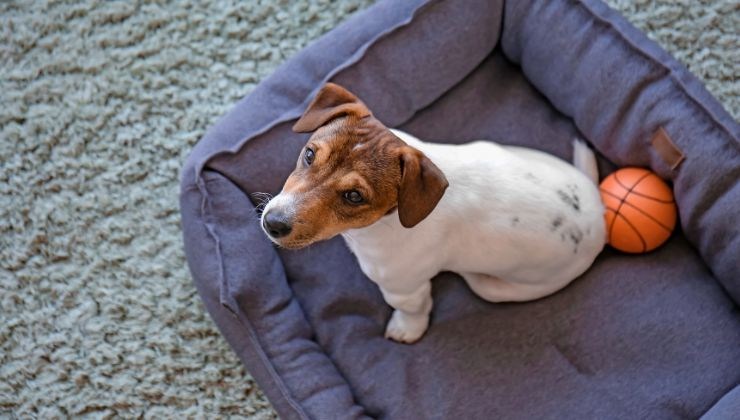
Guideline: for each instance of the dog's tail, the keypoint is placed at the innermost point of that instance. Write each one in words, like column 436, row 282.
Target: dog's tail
column 585, row 160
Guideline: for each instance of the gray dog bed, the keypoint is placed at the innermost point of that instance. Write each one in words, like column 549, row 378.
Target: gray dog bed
column 646, row 336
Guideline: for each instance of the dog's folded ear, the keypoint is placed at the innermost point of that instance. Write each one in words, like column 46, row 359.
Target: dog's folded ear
column 422, row 186
column 331, row 102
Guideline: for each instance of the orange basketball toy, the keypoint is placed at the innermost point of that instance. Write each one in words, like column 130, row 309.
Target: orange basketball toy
column 640, row 210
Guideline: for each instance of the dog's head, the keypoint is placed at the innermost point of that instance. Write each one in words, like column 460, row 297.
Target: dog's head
column 352, row 172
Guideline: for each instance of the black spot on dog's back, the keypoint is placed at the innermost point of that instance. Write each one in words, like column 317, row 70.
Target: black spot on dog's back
column 556, row 223
column 529, row 176
column 576, row 236
column 570, row 198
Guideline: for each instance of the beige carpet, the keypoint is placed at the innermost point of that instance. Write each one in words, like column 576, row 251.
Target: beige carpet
column 99, row 104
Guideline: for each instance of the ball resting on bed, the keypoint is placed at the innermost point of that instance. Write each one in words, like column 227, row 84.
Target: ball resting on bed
column 640, row 210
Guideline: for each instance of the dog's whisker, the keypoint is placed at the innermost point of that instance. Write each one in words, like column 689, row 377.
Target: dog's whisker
column 262, row 194
column 261, row 199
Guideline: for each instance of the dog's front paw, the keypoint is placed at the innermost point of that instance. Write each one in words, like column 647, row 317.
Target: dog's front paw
column 406, row 328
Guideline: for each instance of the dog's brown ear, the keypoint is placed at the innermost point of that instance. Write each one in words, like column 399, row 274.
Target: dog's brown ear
column 422, row 186
column 331, row 102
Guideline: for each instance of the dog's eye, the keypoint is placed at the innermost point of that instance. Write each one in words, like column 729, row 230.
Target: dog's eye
column 308, row 156
column 353, row 197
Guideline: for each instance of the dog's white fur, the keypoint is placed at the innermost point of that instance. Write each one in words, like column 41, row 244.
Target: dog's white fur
column 517, row 224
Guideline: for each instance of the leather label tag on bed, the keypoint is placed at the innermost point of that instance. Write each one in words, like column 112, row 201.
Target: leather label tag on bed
column 667, row 149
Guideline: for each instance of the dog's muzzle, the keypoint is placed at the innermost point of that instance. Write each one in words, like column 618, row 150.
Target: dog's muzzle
column 276, row 223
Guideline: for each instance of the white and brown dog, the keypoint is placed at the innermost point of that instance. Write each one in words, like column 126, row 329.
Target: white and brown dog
column 517, row 224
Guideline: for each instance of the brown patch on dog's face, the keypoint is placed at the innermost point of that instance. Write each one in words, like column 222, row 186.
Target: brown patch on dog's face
column 351, row 182
column 352, row 172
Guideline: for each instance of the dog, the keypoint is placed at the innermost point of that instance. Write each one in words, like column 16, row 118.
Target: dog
column 517, row 224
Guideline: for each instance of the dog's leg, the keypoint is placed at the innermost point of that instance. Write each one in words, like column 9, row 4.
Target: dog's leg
column 494, row 289
column 410, row 318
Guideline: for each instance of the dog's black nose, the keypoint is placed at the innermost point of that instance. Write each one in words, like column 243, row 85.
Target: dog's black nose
column 276, row 224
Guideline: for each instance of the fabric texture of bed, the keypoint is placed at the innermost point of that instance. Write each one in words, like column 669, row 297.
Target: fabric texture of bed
column 648, row 336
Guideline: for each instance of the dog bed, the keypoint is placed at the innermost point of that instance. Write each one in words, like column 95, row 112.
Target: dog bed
column 637, row 336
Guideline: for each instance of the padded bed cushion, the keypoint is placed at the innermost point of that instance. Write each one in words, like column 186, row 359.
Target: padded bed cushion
column 647, row 336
